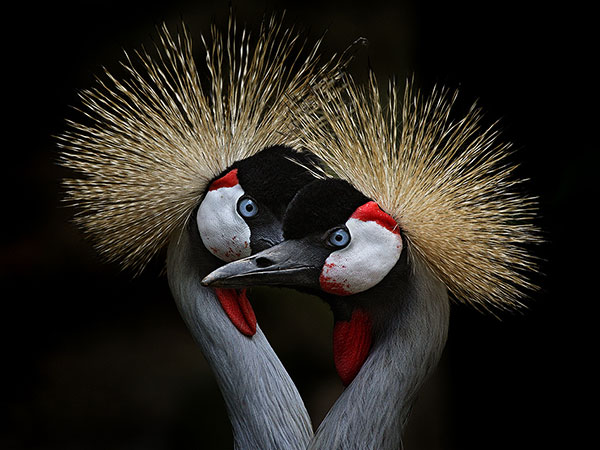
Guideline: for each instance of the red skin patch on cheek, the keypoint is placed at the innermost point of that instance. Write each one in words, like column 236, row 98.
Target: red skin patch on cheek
column 232, row 253
column 351, row 345
column 225, row 181
column 330, row 284
column 372, row 212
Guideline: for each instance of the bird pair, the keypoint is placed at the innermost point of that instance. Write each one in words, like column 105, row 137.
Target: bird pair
column 284, row 168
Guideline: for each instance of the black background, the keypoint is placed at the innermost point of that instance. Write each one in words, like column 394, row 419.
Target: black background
column 95, row 359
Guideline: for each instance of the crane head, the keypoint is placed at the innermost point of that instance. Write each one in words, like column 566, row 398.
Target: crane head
column 337, row 241
column 242, row 211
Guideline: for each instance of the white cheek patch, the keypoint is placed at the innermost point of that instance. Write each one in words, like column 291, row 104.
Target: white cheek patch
column 373, row 251
column 224, row 233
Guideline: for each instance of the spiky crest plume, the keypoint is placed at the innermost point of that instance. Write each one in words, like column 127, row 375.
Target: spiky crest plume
column 151, row 142
column 448, row 183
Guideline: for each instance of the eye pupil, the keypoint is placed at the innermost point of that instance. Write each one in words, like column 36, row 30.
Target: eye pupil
column 247, row 207
column 339, row 237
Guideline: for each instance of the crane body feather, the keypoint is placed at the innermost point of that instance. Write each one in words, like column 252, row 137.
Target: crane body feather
column 264, row 406
column 410, row 317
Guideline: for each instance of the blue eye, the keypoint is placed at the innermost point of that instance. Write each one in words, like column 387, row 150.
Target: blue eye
column 247, row 207
column 339, row 237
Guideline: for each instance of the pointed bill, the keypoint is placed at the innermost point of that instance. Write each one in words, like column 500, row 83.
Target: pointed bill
column 292, row 263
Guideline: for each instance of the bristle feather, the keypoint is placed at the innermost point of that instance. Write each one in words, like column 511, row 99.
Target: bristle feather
column 147, row 145
column 449, row 184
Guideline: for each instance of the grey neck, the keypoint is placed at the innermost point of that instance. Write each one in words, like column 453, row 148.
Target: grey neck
column 409, row 334
column 264, row 406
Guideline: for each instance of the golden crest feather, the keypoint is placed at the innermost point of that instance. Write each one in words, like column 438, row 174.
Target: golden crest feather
column 152, row 142
column 448, row 183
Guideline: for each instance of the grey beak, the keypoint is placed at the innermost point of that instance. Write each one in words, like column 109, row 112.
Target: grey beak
column 291, row 263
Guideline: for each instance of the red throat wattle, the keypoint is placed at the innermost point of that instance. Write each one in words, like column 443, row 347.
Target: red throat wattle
column 351, row 345
column 238, row 308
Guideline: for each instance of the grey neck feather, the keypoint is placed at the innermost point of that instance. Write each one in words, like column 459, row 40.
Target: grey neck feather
column 264, row 406
column 409, row 334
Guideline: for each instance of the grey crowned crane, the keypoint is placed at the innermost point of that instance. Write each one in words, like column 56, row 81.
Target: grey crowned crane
column 201, row 162
column 426, row 208
column 241, row 214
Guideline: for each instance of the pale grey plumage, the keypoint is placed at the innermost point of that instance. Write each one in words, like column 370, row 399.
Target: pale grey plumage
column 410, row 325
column 408, row 313
column 264, row 406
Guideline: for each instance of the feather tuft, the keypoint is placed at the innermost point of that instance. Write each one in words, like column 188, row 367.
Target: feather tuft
column 147, row 145
column 448, row 183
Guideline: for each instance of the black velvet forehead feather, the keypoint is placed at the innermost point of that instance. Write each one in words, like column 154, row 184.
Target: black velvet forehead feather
column 274, row 175
column 321, row 205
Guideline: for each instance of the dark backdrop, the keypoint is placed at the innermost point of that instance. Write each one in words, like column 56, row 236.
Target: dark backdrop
column 95, row 359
